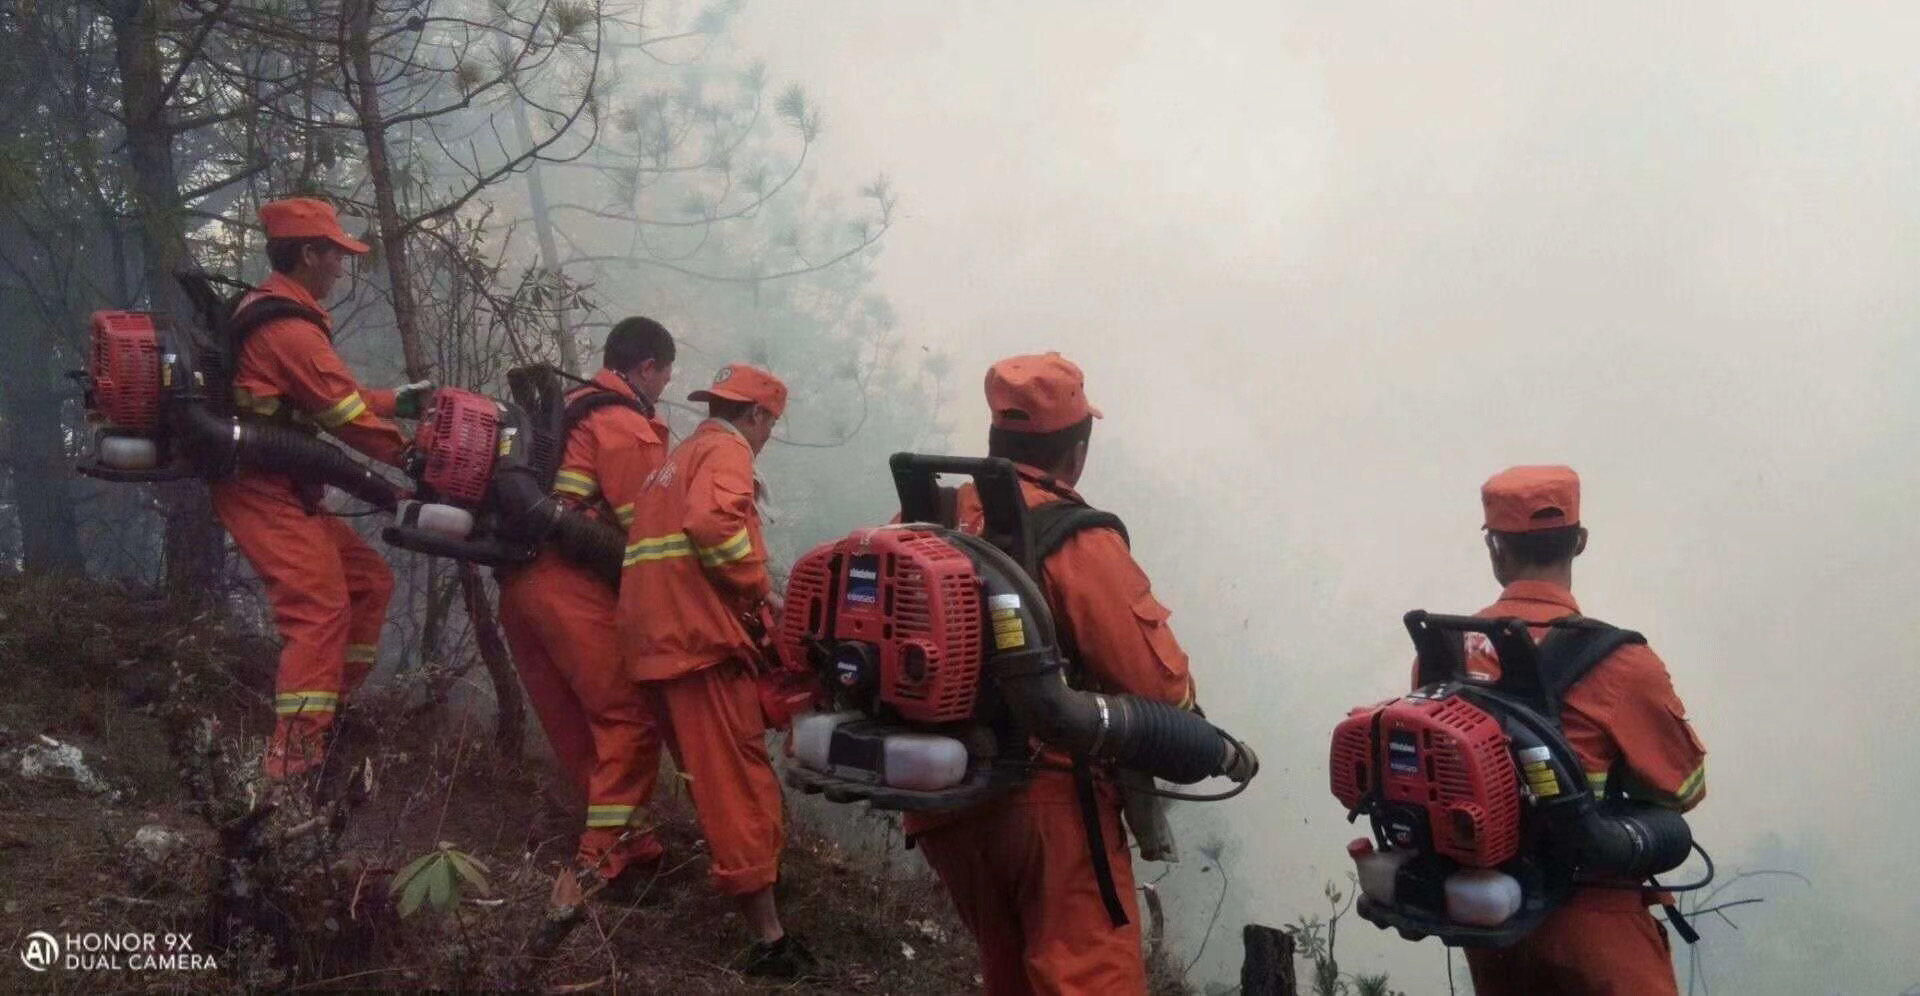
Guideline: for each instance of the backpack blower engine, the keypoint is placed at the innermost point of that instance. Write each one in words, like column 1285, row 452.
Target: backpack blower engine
column 161, row 404
column 485, row 472
column 1480, row 809
column 941, row 660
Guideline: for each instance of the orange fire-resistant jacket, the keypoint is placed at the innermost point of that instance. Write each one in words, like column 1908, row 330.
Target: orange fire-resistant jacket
column 695, row 559
column 290, row 361
column 1103, row 601
column 1624, row 711
column 610, row 453
column 1622, row 717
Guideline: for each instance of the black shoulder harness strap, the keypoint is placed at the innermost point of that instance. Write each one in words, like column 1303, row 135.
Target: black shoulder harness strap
column 1050, row 526
column 1572, row 648
column 246, row 320
column 592, row 401
column 1056, row 522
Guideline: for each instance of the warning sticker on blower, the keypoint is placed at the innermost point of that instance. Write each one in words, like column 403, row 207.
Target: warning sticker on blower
column 1008, row 632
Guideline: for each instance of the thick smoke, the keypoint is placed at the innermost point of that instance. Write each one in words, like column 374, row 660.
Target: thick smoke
column 1330, row 266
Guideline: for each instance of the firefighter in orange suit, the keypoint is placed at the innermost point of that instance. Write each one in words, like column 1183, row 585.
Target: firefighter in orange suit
column 1021, row 868
column 559, row 616
column 696, row 569
column 328, row 589
column 1623, row 720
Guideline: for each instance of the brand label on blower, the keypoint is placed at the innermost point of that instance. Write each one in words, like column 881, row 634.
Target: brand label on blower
column 1403, row 753
column 863, row 580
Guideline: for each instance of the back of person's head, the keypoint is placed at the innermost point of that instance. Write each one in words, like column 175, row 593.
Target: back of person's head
column 1540, row 548
column 1049, row 451
column 1532, row 519
column 285, row 255
column 1041, row 415
column 633, row 341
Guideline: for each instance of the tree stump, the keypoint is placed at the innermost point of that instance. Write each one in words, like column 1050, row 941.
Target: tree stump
column 1268, row 968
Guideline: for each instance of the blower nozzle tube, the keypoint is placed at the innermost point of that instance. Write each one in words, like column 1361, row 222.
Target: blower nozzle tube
column 1131, row 732
column 221, row 443
column 1635, row 842
column 540, row 518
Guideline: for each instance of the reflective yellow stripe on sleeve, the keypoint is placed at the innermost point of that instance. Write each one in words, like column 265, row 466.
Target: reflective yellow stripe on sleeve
column 659, row 548
column 1597, row 782
column 1694, row 784
column 362, row 653
column 736, row 546
column 341, row 412
column 625, row 514
column 572, row 482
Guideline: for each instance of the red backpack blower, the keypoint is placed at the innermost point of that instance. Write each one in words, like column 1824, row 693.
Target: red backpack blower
column 485, row 470
column 1482, row 818
column 160, row 399
column 940, row 660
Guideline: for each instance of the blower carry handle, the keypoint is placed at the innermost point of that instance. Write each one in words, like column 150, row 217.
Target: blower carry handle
column 1440, row 656
column 916, row 479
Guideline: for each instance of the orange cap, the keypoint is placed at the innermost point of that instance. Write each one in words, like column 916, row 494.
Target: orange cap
column 1529, row 499
column 1038, row 393
column 306, row 218
column 739, row 382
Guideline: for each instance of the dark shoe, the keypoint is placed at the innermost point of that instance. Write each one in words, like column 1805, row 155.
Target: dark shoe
column 640, row 883
column 786, row 958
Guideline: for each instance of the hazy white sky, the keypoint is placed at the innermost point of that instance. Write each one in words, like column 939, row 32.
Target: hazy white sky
column 1330, row 265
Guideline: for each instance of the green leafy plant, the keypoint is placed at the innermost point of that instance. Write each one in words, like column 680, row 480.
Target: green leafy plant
column 1314, row 939
column 436, row 878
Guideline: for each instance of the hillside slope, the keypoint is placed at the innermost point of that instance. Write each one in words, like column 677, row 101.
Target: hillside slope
column 114, row 820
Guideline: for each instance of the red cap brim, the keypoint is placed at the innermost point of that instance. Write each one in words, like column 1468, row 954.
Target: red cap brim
column 354, row 246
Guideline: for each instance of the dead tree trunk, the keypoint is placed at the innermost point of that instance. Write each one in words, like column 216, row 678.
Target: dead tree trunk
column 40, row 469
column 195, row 553
column 510, row 732
column 1268, row 969
column 549, row 249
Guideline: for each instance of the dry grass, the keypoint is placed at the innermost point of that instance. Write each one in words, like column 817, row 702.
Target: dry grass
column 100, row 667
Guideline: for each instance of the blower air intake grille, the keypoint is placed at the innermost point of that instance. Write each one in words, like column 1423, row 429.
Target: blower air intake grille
column 126, row 370
column 908, row 596
column 461, row 441
column 1445, row 756
column 937, row 626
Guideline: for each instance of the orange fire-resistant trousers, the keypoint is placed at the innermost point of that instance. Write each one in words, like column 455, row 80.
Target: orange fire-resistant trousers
column 329, row 593
column 1021, row 876
column 1602, row 943
column 717, row 733
column 559, row 621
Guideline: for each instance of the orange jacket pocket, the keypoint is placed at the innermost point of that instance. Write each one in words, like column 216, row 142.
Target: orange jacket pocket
column 1152, row 617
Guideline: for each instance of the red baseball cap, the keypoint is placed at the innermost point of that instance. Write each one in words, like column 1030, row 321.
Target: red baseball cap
column 306, row 218
column 1043, row 392
column 739, row 382
column 1530, row 499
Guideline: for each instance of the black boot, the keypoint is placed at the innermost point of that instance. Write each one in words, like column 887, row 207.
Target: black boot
column 786, row 958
